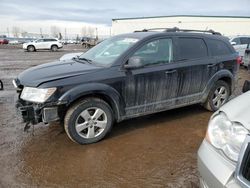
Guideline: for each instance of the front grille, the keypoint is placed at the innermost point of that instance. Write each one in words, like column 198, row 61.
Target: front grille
column 243, row 166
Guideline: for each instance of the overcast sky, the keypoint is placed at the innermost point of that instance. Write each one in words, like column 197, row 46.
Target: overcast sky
column 32, row 14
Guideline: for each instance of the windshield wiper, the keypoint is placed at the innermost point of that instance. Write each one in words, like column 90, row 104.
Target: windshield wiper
column 85, row 59
column 82, row 59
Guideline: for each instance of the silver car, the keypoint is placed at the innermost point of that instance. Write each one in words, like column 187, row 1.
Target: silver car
column 224, row 155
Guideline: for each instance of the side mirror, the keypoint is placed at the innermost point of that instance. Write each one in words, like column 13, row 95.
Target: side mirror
column 246, row 86
column 233, row 43
column 133, row 62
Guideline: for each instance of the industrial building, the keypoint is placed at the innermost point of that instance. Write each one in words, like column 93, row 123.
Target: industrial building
column 226, row 25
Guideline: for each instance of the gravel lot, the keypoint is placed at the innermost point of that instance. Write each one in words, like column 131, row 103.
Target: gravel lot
column 158, row 150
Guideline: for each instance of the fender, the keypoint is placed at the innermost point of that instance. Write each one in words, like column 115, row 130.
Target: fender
column 95, row 88
column 217, row 76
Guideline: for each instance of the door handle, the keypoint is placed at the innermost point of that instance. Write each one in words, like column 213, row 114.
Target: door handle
column 211, row 65
column 170, row 71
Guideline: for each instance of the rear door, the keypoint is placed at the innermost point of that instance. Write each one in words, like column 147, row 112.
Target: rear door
column 47, row 43
column 193, row 66
column 152, row 87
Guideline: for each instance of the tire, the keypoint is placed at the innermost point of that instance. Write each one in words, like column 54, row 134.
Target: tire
column 218, row 96
column 54, row 48
column 31, row 48
column 94, row 118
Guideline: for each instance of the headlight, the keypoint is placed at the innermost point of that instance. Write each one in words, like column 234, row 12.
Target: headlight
column 226, row 135
column 37, row 94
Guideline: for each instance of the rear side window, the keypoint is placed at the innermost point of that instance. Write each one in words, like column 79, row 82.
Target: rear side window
column 49, row 40
column 40, row 40
column 192, row 48
column 218, row 48
column 244, row 40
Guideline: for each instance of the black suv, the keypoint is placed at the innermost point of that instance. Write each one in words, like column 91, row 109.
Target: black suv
column 127, row 76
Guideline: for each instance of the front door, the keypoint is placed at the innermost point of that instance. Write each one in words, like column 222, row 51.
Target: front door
column 152, row 86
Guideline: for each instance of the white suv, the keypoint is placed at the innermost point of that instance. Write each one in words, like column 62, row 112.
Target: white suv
column 43, row 44
column 240, row 43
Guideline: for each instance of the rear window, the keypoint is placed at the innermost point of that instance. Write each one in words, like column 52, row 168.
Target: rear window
column 218, row 48
column 192, row 48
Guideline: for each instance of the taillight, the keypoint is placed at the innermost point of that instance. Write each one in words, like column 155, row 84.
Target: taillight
column 239, row 60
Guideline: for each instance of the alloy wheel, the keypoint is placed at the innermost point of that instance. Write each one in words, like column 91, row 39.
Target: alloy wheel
column 91, row 122
column 220, row 96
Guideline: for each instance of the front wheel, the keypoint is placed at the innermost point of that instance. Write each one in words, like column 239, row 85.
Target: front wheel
column 88, row 121
column 218, row 96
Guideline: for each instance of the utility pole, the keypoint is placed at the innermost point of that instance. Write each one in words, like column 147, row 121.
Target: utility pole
column 65, row 33
column 96, row 32
column 41, row 32
column 8, row 32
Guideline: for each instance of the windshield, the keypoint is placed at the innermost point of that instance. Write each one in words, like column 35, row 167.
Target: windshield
column 109, row 50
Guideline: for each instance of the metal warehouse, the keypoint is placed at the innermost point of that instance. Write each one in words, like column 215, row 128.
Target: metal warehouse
column 227, row 25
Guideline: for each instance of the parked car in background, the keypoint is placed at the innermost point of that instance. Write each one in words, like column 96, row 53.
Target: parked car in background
column 3, row 41
column 128, row 76
column 223, row 157
column 246, row 57
column 1, row 85
column 240, row 43
column 43, row 44
column 14, row 42
column 71, row 42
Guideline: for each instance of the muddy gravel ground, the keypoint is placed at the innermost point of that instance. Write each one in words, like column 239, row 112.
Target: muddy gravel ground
column 159, row 150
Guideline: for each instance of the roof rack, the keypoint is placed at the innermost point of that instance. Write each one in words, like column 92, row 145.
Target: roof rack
column 176, row 29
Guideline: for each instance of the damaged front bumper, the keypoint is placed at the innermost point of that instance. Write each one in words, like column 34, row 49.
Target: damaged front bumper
column 36, row 113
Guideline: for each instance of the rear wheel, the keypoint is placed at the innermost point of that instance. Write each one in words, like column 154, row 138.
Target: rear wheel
column 31, row 48
column 88, row 121
column 218, row 96
column 54, row 48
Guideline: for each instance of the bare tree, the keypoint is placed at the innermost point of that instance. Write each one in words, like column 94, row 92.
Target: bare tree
column 90, row 31
column 54, row 31
column 16, row 31
column 77, row 38
column 24, row 33
column 84, row 31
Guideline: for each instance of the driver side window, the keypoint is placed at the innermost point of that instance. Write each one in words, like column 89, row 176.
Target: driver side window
column 156, row 52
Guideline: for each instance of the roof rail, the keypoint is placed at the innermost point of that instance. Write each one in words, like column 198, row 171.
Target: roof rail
column 176, row 29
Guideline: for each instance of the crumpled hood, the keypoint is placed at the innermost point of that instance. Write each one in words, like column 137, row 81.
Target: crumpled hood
column 238, row 109
column 37, row 75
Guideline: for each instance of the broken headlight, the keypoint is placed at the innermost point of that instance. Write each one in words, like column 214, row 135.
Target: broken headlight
column 38, row 95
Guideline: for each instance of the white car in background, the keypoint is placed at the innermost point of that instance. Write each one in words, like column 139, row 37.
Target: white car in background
column 43, row 44
column 240, row 43
column 246, row 57
column 224, row 155
column 14, row 42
